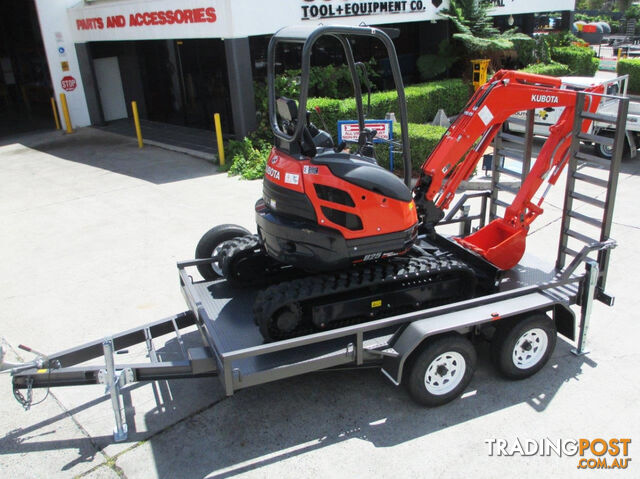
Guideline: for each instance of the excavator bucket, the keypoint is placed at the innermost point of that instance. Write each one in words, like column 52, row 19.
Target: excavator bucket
column 499, row 243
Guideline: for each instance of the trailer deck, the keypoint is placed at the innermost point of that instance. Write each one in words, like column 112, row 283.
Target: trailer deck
column 243, row 359
column 227, row 312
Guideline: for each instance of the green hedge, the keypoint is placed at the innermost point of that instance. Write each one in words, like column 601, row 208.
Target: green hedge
column 249, row 161
column 632, row 68
column 526, row 48
column 423, row 102
column 552, row 69
column 581, row 61
column 423, row 139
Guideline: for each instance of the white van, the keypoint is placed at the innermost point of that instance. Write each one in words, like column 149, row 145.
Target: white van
column 545, row 117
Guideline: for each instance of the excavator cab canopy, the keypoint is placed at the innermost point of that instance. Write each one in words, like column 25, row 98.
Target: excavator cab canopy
column 296, row 118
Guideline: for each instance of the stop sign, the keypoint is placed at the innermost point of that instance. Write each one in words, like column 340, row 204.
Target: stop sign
column 68, row 83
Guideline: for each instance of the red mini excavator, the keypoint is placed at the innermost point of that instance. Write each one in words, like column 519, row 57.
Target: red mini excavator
column 341, row 239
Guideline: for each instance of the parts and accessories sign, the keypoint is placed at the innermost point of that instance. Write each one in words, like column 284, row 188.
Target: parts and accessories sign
column 150, row 20
column 315, row 9
column 140, row 19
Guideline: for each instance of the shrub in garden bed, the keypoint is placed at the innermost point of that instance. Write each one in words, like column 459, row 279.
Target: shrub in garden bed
column 423, row 102
column 552, row 69
column 581, row 61
column 630, row 66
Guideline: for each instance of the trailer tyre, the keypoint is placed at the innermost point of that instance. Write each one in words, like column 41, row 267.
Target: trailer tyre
column 442, row 370
column 520, row 348
column 606, row 151
column 209, row 243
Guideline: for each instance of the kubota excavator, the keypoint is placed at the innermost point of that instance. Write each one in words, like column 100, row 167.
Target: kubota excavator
column 341, row 239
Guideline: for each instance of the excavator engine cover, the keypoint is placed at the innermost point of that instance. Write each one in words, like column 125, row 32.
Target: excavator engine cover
column 333, row 210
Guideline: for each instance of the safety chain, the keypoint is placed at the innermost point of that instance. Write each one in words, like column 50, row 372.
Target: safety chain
column 24, row 402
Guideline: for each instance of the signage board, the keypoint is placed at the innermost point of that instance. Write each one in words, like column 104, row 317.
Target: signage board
column 160, row 19
column 349, row 131
column 68, row 83
column 516, row 7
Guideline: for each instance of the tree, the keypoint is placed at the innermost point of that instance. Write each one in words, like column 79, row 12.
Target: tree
column 623, row 5
column 472, row 17
column 601, row 5
column 476, row 36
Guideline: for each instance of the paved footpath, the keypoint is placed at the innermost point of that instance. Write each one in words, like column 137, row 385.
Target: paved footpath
column 91, row 230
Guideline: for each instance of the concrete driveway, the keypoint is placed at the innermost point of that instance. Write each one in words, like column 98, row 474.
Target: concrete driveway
column 91, row 230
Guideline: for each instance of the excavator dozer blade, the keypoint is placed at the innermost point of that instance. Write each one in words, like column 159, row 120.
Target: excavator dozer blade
column 499, row 243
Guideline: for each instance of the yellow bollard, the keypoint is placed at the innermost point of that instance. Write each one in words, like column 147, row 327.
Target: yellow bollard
column 65, row 112
column 619, row 53
column 136, row 120
column 216, row 121
column 55, row 113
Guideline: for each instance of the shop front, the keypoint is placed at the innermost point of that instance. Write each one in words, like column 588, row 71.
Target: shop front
column 184, row 60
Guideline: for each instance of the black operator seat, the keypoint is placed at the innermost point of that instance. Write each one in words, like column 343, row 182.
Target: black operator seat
column 359, row 170
column 364, row 173
column 288, row 111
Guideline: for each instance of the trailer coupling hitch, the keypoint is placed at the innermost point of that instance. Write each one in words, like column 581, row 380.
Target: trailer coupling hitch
column 41, row 362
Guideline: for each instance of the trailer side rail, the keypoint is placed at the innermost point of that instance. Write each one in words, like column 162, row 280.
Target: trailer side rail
column 62, row 369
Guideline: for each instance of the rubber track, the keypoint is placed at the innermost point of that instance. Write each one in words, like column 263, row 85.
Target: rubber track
column 229, row 250
column 396, row 273
column 265, row 271
column 236, row 245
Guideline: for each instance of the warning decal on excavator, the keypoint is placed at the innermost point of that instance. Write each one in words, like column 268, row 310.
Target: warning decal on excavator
column 376, row 304
column 291, row 178
column 485, row 115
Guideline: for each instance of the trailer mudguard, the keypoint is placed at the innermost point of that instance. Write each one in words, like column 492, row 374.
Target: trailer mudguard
column 565, row 320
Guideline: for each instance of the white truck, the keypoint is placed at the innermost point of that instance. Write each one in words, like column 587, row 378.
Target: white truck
column 545, row 117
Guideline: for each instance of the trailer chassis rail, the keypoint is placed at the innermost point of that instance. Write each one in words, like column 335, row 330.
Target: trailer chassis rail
column 62, row 369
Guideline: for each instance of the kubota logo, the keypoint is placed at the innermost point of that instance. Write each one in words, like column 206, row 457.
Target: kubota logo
column 545, row 98
column 272, row 172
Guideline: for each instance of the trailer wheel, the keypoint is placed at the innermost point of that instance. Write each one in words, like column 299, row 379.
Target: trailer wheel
column 209, row 244
column 606, row 151
column 521, row 348
column 442, row 370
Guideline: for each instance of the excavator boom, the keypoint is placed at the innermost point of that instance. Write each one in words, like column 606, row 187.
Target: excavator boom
column 455, row 157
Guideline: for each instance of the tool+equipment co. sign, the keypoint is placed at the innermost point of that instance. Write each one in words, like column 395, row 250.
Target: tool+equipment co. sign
column 316, row 9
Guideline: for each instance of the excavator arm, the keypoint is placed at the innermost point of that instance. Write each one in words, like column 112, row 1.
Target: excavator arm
column 502, row 241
